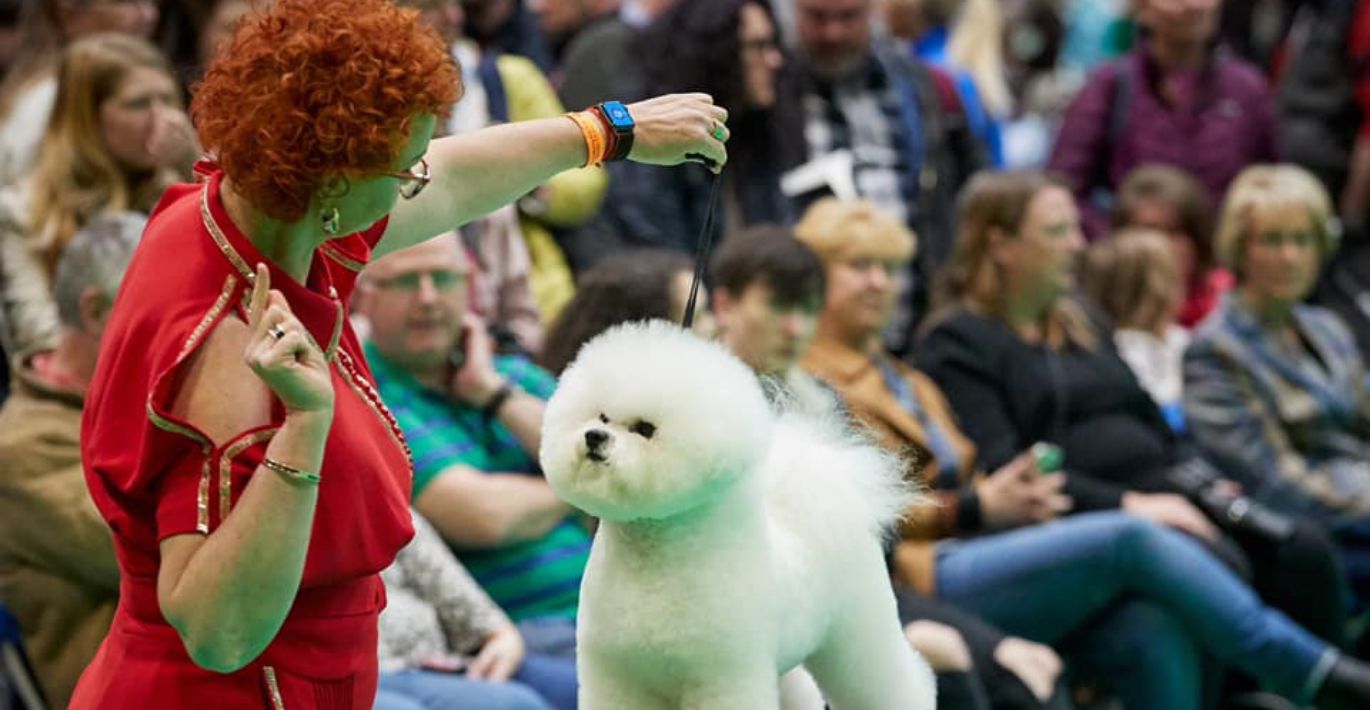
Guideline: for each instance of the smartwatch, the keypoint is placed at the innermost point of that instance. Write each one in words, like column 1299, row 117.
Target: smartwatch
column 620, row 124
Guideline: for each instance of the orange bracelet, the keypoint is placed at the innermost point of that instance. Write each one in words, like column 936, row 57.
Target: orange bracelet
column 596, row 143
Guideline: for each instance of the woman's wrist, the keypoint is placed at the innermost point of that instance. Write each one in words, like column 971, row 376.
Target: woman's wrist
column 314, row 423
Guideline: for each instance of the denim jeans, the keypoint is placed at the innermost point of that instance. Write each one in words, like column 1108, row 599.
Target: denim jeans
column 549, row 636
column 431, row 690
column 541, row 683
column 1048, row 581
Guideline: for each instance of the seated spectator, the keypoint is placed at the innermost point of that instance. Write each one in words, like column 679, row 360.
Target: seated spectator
column 1059, row 583
column 473, row 421
column 1171, row 201
column 118, row 136
column 1020, row 362
column 769, row 289
column 29, row 90
column 57, row 568
column 1146, row 647
column 509, row 88
column 444, row 645
column 1133, row 278
column 1178, row 99
column 727, row 49
column 1273, row 387
column 901, row 121
column 641, row 284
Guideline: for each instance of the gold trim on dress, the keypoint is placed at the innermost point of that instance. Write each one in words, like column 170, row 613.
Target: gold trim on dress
column 202, row 495
column 333, row 341
column 219, row 238
column 343, row 260
column 226, row 293
column 226, row 466
column 368, row 393
column 273, row 688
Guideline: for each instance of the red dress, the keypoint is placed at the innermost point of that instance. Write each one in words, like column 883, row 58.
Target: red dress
column 153, row 476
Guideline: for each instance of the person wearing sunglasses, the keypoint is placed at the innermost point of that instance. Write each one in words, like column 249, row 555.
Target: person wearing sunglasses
column 234, row 440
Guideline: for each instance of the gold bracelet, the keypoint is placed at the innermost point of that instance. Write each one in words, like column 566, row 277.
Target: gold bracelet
column 290, row 472
column 596, row 143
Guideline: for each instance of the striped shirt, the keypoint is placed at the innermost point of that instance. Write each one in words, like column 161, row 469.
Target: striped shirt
column 528, row 579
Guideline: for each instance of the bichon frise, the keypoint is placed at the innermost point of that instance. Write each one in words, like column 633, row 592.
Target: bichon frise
column 735, row 544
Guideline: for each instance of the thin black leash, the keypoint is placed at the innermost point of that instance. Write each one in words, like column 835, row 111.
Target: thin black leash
column 706, row 246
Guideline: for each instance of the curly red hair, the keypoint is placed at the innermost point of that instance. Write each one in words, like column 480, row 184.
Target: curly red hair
column 310, row 90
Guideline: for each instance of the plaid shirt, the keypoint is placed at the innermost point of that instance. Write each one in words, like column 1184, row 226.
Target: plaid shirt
column 862, row 113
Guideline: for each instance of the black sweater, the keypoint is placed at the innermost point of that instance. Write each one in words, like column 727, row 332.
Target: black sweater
column 1009, row 394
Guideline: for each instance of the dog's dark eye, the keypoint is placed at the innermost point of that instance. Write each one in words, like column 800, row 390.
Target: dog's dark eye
column 644, row 429
column 603, row 419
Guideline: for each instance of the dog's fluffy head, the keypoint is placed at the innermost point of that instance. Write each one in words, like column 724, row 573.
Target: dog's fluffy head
column 650, row 421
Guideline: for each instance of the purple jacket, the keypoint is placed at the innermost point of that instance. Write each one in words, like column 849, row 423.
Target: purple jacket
column 1120, row 121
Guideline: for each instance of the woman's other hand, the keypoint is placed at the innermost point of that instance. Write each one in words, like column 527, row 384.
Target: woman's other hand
column 676, row 128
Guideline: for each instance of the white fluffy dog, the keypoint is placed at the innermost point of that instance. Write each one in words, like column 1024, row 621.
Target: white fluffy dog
column 735, row 544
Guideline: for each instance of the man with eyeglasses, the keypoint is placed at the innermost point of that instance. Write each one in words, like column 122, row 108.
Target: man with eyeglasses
column 473, row 421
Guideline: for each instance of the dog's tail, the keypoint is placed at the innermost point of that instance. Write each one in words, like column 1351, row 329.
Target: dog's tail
column 823, row 469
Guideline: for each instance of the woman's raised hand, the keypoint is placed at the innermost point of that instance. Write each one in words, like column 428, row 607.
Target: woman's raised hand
column 677, row 128
column 281, row 352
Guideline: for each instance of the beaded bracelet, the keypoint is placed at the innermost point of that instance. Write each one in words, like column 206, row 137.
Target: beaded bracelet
column 290, row 472
column 596, row 143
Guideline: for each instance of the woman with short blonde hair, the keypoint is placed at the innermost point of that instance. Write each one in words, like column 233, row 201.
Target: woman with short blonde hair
column 1277, row 386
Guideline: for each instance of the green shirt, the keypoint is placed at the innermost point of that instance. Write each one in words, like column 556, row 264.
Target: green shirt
column 528, row 579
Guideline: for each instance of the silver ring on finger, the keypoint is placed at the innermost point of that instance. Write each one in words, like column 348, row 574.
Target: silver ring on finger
column 276, row 332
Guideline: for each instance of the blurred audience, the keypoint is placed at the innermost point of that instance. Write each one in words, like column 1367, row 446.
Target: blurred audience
column 1169, row 200
column 500, row 88
column 118, row 136
column 902, row 125
column 1274, row 388
column 57, row 568
column 1021, row 361
column 1127, row 601
column 28, row 91
column 599, row 61
column 473, row 422
column 639, row 284
column 1132, row 276
column 444, row 645
column 727, row 49
column 1177, row 99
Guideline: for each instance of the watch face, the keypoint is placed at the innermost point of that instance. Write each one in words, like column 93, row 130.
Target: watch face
column 618, row 114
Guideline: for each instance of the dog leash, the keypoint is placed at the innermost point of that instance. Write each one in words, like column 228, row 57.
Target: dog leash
column 706, row 245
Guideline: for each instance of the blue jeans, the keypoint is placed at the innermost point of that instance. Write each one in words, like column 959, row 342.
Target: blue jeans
column 549, row 636
column 541, row 683
column 1047, row 581
column 430, row 690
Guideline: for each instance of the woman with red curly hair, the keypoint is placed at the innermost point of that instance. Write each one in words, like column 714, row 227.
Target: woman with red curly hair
column 233, row 438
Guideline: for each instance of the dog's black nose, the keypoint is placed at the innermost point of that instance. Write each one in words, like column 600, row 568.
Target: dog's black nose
column 596, row 438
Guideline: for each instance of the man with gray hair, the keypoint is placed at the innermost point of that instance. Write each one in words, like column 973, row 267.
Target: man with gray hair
column 58, row 573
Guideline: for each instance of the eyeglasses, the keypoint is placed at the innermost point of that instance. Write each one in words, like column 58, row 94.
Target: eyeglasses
column 409, row 282
column 413, row 181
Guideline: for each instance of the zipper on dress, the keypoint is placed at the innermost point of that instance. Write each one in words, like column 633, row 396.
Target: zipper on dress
column 273, row 688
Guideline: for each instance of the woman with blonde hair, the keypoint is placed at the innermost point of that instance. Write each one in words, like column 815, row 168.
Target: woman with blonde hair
column 1022, row 360
column 1132, row 602
column 117, row 137
column 1277, row 387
